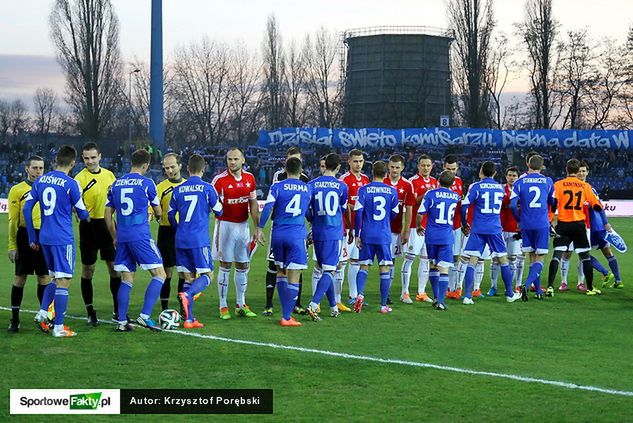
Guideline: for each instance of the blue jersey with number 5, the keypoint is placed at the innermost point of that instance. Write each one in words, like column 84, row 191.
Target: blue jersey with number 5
column 533, row 193
column 129, row 196
column 376, row 206
column 439, row 205
column 290, row 200
column 486, row 197
column 327, row 205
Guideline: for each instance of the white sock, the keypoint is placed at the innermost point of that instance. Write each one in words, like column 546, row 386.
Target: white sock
column 564, row 269
column 461, row 273
column 479, row 275
column 58, row 328
column 405, row 273
column 423, row 274
column 512, row 262
column 338, row 284
column 581, row 275
column 494, row 274
column 452, row 278
column 316, row 276
column 241, row 283
column 223, row 285
column 352, row 271
column 520, row 265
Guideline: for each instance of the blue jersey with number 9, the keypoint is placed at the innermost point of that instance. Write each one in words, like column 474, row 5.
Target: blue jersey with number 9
column 377, row 204
column 439, row 205
column 486, row 196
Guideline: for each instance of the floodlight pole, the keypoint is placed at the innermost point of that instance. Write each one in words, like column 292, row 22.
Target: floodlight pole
column 156, row 125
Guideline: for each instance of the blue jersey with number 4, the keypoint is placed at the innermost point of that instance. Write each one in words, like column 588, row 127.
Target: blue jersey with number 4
column 532, row 194
column 129, row 196
column 376, row 206
column 486, row 196
column 439, row 205
column 327, row 205
column 288, row 201
column 193, row 200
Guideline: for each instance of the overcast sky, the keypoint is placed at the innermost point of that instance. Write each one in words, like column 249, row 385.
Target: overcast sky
column 27, row 53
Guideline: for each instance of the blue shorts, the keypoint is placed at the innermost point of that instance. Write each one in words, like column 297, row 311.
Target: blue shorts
column 289, row 252
column 476, row 245
column 382, row 252
column 60, row 260
column 194, row 260
column 597, row 239
column 440, row 255
column 144, row 252
column 328, row 253
column 535, row 240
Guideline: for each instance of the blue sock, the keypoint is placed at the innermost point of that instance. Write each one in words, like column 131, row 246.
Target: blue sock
column 385, row 283
column 282, row 291
column 190, row 310
column 123, row 299
column 292, row 293
column 198, row 285
column 469, row 280
column 434, row 279
column 322, row 286
column 506, row 275
column 186, row 286
column 151, row 295
column 598, row 266
column 331, row 295
column 613, row 265
column 49, row 295
column 61, row 302
column 534, row 276
column 361, row 281
column 443, row 287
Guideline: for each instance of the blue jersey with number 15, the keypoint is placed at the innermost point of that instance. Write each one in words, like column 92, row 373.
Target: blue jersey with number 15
column 328, row 202
column 486, row 196
column 439, row 205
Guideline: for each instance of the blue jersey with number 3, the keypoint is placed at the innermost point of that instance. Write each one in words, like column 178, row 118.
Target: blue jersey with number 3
column 376, row 206
column 328, row 202
column 486, row 196
column 439, row 205
column 533, row 194
column 129, row 196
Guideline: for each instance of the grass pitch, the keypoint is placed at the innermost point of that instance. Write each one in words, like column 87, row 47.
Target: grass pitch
column 570, row 338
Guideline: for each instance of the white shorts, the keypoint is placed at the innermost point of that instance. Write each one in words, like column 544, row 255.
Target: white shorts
column 230, row 241
column 512, row 245
column 416, row 245
column 396, row 245
column 350, row 251
column 457, row 242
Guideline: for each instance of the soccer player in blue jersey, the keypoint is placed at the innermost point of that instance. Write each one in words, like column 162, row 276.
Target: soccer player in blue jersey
column 439, row 205
column 486, row 196
column 57, row 193
column 531, row 199
column 129, row 197
column 328, row 205
column 288, row 201
column 192, row 201
column 376, row 206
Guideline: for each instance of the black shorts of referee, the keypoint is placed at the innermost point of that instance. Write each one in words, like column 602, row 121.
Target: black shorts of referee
column 29, row 261
column 167, row 245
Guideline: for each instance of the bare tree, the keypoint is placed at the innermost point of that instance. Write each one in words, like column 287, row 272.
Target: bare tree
column 472, row 22
column 86, row 34
column 243, row 83
column 538, row 31
column 45, row 102
column 497, row 76
column 274, row 71
column 296, row 87
column 5, row 119
column 19, row 117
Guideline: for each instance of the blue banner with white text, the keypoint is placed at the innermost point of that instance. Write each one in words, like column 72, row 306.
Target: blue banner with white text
column 370, row 138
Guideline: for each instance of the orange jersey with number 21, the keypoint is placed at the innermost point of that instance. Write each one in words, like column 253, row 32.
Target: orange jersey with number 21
column 571, row 194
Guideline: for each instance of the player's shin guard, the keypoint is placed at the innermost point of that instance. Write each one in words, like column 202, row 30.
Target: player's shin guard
column 534, row 276
column 223, row 285
column 506, row 276
column 352, row 271
column 587, row 269
column 443, row 285
column 361, row 280
column 405, row 272
column 469, row 279
column 385, row 283
column 49, row 296
column 434, row 278
column 423, row 274
column 151, row 296
column 87, row 292
column 338, row 284
column 564, row 269
column 599, row 266
column 115, row 283
column 123, row 299
column 494, row 274
column 271, row 280
column 479, row 274
column 165, row 291
column 17, row 293
column 61, row 303
column 241, row 283
column 613, row 265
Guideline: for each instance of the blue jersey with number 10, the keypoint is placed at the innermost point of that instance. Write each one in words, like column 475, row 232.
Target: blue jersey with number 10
column 486, row 196
column 376, row 206
column 532, row 194
column 439, row 205
column 328, row 202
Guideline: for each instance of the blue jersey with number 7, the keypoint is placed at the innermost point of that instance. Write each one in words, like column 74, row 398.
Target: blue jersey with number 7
column 486, row 197
column 439, row 205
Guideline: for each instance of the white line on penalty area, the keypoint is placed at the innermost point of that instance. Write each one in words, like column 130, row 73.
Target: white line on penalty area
column 357, row 357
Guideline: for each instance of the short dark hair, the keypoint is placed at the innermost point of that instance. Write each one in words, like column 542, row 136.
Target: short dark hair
column 90, row 146
column 332, row 161
column 446, row 178
column 450, row 159
column 293, row 166
column 66, row 156
column 573, row 166
column 196, row 163
column 512, row 169
column 489, row 169
column 141, row 157
column 355, row 152
column 31, row 159
column 292, row 151
column 396, row 158
column 379, row 169
column 174, row 155
column 425, row 157
column 535, row 162
column 584, row 164
column 529, row 155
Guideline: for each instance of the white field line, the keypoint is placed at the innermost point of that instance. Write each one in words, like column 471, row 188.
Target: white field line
column 357, row 357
